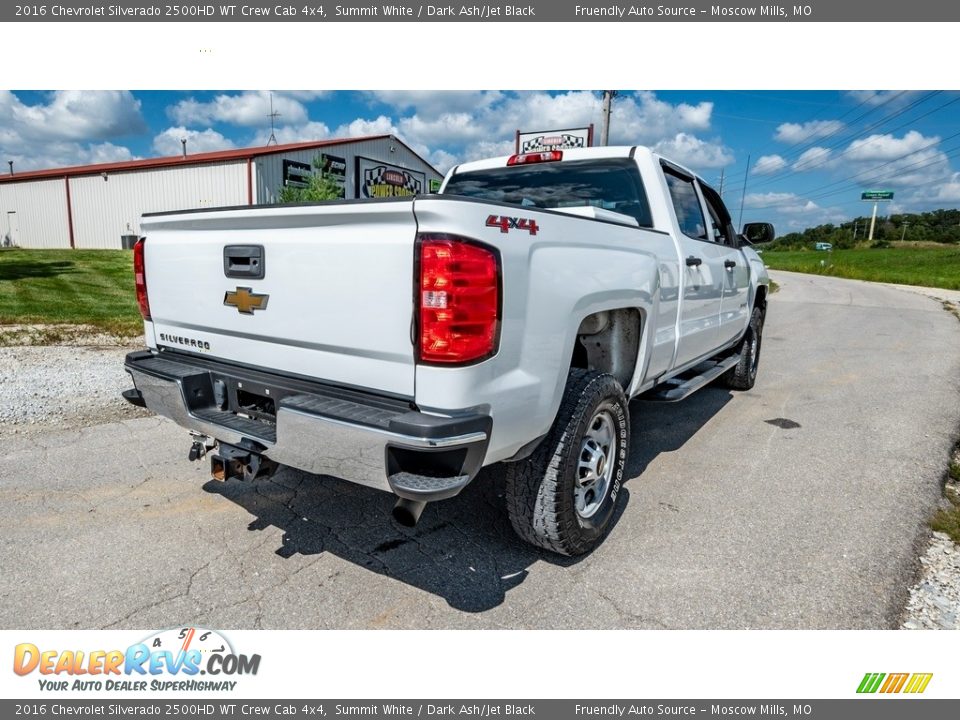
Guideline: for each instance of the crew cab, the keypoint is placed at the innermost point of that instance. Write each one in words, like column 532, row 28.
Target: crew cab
column 405, row 344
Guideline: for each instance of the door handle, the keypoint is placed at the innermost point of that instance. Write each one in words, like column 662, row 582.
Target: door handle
column 693, row 261
column 729, row 264
column 246, row 262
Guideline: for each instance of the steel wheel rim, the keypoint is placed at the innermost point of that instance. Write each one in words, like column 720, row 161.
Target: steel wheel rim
column 754, row 349
column 595, row 463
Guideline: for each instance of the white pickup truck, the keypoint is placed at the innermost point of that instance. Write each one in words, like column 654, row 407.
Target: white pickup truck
column 405, row 344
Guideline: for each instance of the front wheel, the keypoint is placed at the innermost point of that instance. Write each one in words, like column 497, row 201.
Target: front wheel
column 562, row 498
column 743, row 375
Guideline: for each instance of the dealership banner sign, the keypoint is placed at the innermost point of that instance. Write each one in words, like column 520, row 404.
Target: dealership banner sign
column 554, row 139
column 377, row 179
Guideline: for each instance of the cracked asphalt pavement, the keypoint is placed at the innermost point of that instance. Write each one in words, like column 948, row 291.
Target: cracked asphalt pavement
column 799, row 504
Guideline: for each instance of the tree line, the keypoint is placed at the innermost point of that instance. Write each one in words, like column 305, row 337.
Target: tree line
column 942, row 226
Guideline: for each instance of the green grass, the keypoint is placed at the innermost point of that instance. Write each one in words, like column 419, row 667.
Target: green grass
column 90, row 287
column 930, row 266
column 947, row 520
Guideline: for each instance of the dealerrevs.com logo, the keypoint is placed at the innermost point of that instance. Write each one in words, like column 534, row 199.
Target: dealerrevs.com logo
column 892, row 683
column 167, row 660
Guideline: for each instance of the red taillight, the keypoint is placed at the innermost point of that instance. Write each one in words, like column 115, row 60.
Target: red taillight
column 459, row 300
column 535, row 157
column 140, row 276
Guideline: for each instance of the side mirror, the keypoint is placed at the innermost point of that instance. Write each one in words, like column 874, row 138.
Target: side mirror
column 758, row 233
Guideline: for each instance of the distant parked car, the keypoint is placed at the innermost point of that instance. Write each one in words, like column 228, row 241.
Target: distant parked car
column 823, row 246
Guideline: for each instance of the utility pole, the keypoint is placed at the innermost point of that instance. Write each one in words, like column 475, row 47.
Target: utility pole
column 721, row 182
column 873, row 220
column 608, row 96
column 904, row 233
column 743, row 197
column 855, row 226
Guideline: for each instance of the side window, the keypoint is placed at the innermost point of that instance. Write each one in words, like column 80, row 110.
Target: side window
column 686, row 204
column 721, row 225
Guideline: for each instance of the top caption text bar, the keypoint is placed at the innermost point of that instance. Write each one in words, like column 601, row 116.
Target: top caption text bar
column 538, row 11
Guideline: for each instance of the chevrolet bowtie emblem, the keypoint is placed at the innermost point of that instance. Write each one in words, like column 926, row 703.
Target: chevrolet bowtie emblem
column 245, row 300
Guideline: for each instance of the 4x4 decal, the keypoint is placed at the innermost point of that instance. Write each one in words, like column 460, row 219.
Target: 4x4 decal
column 506, row 224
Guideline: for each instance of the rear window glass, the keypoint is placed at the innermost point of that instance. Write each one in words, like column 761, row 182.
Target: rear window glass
column 612, row 184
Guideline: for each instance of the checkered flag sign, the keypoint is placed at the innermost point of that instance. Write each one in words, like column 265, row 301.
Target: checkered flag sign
column 553, row 142
column 382, row 181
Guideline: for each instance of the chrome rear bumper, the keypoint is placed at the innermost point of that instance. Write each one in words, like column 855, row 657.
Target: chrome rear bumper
column 379, row 442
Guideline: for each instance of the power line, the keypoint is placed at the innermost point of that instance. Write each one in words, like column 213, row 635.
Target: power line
column 894, row 172
column 811, row 194
column 848, row 138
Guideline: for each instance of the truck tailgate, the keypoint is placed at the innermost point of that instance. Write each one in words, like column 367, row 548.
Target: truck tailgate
column 338, row 281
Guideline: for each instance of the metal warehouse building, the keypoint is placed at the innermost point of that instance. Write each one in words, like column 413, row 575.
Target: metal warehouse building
column 93, row 206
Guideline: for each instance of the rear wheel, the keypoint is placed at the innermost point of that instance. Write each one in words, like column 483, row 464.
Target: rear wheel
column 743, row 375
column 562, row 498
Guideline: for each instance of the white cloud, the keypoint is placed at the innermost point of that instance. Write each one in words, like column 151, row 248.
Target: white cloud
column 488, row 149
column 873, row 98
column 770, row 198
column 63, row 129
column 790, row 211
column 73, row 115
column 455, row 126
column 949, row 191
column 437, row 102
column 198, row 141
column 913, row 159
column 248, row 109
column 442, row 160
column 635, row 118
column 887, row 147
column 694, row 152
column 816, row 158
column 307, row 132
column 474, row 125
column 105, row 153
column 801, row 132
column 448, row 128
column 782, row 202
column 769, row 164
column 382, row 125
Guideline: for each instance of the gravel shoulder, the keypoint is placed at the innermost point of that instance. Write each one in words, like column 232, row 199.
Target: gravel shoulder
column 63, row 386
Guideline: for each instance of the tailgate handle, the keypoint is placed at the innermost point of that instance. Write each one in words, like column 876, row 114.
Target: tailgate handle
column 243, row 261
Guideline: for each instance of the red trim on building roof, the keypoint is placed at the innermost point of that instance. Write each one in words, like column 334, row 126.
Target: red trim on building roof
column 179, row 160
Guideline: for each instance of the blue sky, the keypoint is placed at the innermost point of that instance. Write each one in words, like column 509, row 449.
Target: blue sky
column 811, row 152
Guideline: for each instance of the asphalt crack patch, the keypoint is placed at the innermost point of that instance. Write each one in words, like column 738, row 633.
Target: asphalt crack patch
column 783, row 423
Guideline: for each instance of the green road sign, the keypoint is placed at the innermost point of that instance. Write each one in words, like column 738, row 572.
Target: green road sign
column 874, row 195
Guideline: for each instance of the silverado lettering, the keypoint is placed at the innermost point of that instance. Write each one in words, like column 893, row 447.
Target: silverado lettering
column 178, row 340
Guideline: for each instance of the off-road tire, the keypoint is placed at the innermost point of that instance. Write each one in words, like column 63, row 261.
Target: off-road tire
column 542, row 491
column 743, row 375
